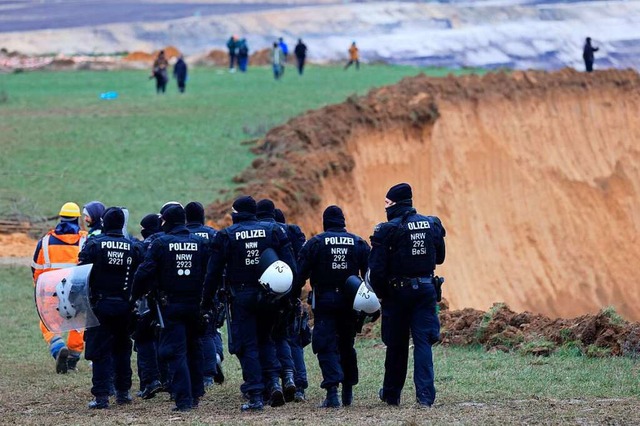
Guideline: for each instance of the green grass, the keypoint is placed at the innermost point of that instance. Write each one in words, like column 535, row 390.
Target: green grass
column 61, row 142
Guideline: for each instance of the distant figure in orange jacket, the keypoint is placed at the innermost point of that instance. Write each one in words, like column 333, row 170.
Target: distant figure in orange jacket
column 354, row 56
column 56, row 250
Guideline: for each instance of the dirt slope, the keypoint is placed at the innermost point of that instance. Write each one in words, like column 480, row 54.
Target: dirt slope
column 535, row 176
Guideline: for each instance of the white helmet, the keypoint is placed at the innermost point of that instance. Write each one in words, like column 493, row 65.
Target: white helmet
column 364, row 298
column 63, row 290
column 275, row 275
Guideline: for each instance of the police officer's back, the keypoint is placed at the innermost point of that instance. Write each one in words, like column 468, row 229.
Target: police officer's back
column 174, row 268
column 328, row 259
column 237, row 250
column 114, row 259
column 405, row 251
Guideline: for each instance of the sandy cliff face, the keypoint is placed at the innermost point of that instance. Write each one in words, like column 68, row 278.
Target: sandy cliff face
column 534, row 175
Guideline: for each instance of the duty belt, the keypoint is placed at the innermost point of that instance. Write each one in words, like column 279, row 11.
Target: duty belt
column 323, row 290
column 402, row 282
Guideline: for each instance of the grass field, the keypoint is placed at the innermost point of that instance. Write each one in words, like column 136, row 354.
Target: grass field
column 61, row 142
column 475, row 387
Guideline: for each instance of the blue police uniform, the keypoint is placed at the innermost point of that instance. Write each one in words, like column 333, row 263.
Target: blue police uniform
column 108, row 346
column 236, row 251
column 153, row 373
column 174, row 268
column 299, row 334
column 266, row 213
column 404, row 254
column 328, row 259
column 212, row 339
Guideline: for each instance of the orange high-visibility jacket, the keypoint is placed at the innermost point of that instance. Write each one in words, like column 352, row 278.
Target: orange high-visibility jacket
column 56, row 251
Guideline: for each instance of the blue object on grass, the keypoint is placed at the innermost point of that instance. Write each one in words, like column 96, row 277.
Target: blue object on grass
column 109, row 95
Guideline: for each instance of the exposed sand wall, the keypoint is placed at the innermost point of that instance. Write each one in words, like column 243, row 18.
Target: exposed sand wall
column 534, row 175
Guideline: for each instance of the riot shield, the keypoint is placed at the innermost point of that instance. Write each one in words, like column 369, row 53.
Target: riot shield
column 62, row 299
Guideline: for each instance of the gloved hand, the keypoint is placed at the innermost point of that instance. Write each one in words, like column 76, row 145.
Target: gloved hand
column 205, row 318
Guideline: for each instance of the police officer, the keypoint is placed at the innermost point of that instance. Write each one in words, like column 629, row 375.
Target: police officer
column 299, row 334
column 212, row 349
column 265, row 212
column 108, row 345
column 238, row 249
column 405, row 251
column 329, row 259
column 152, row 372
column 174, row 268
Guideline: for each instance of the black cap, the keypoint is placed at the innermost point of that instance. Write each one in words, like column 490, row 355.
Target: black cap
column 333, row 218
column 265, row 208
column 400, row 192
column 195, row 212
column 174, row 215
column 279, row 216
column 113, row 220
column 245, row 204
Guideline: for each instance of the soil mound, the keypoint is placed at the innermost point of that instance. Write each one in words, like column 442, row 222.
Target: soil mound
column 170, row 52
column 502, row 329
column 535, row 176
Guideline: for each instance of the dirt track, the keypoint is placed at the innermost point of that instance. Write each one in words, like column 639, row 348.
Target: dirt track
column 535, row 175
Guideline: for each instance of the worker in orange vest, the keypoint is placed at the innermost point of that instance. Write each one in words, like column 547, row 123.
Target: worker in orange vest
column 56, row 250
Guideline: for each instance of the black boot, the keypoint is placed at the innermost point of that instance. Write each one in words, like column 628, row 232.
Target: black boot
column 289, row 386
column 331, row 401
column 254, row 403
column 299, row 396
column 61, row 361
column 123, row 397
column 99, row 403
column 347, row 395
column 151, row 390
column 276, row 396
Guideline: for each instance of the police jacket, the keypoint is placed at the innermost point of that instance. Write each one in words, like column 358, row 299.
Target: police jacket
column 237, row 250
column 296, row 236
column 330, row 258
column 146, row 243
column 115, row 259
column 409, row 245
column 174, row 266
column 202, row 231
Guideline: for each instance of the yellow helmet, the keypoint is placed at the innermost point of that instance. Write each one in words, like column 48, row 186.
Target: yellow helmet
column 70, row 210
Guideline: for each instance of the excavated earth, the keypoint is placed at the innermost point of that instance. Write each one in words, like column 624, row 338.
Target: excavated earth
column 535, row 176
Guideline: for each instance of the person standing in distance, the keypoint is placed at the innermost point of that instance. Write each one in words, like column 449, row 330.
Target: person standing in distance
column 108, row 346
column 329, row 259
column 587, row 54
column 237, row 250
column 174, row 268
column 301, row 55
column 404, row 254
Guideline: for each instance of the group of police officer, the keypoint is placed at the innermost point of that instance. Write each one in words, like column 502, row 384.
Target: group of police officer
column 185, row 278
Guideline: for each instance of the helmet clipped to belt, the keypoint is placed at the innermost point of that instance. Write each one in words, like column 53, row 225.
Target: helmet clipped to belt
column 364, row 299
column 275, row 275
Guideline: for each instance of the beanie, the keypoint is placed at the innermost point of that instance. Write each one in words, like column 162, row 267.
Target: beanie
column 279, row 216
column 150, row 224
column 265, row 209
column 174, row 215
column 195, row 212
column 95, row 210
column 333, row 218
column 245, row 204
column 166, row 205
column 400, row 192
column 113, row 220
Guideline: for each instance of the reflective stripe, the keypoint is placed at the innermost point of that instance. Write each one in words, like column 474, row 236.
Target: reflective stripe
column 83, row 240
column 62, row 265
column 35, row 265
column 45, row 250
